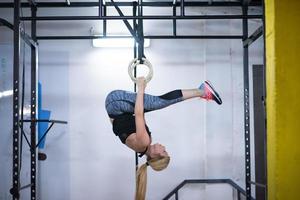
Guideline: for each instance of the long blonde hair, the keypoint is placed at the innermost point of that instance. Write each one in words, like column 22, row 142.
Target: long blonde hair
column 156, row 164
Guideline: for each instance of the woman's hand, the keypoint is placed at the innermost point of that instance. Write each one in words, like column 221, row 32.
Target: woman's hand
column 141, row 83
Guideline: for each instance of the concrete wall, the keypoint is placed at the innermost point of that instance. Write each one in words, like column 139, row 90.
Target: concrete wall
column 85, row 159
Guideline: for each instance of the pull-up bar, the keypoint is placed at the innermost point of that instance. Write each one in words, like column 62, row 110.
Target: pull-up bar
column 130, row 3
column 147, row 17
column 90, row 37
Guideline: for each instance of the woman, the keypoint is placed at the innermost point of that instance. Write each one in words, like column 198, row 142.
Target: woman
column 126, row 111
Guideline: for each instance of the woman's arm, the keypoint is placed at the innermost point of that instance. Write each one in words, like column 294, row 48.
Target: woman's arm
column 142, row 136
column 139, row 102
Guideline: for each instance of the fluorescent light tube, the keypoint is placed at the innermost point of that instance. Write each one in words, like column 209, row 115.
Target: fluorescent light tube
column 6, row 93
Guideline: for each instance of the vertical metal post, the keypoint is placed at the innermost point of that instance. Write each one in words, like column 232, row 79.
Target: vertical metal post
column 174, row 20
column 104, row 21
column 135, row 42
column 246, row 106
column 182, row 7
column 239, row 195
column 259, row 130
column 265, row 105
column 176, row 195
column 33, row 107
column 16, row 78
column 135, row 55
column 100, row 8
column 140, row 31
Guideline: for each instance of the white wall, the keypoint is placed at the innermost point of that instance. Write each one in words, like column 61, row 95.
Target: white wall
column 6, row 121
column 86, row 160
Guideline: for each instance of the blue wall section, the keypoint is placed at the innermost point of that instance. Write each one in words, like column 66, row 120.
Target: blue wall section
column 42, row 114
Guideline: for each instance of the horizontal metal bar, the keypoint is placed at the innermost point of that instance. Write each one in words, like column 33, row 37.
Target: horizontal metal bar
column 146, row 36
column 208, row 181
column 195, row 181
column 257, row 33
column 149, row 17
column 90, row 37
column 257, row 184
column 129, row 3
column 45, row 120
column 196, row 37
column 25, row 186
column 6, row 23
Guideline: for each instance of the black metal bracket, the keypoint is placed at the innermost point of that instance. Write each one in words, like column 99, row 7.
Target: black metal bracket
column 46, row 132
column 24, row 35
column 137, row 35
column 258, row 184
column 4, row 22
column 16, row 191
column 124, row 20
column 28, row 39
column 257, row 33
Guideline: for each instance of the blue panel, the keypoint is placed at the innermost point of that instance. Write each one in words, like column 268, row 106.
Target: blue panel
column 42, row 114
column 42, row 126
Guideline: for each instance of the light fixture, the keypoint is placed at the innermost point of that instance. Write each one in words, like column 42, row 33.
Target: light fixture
column 117, row 42
column 6, row 93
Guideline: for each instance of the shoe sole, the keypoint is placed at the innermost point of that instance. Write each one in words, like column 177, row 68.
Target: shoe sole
column 214, row 92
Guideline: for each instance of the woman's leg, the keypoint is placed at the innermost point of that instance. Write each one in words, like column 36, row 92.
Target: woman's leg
column 205, row 91
column 158, row 102
column 192, row 93
column 121, row 102
column 116, row 103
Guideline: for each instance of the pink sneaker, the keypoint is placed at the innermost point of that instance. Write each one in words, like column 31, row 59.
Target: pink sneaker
column 210, row 93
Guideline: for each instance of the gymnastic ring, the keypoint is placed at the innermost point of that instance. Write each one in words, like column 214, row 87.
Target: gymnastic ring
column 134, row 63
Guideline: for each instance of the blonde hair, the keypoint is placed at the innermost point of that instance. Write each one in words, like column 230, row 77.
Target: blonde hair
column 156, row 164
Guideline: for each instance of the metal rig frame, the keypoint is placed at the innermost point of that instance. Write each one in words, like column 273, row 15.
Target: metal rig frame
column 138, row 35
